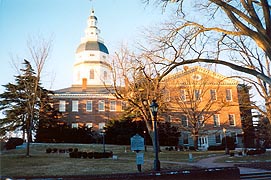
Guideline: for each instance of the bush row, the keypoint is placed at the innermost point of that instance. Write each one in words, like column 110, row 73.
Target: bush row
column 256, row 151
column 56, row 150
column 91, row 155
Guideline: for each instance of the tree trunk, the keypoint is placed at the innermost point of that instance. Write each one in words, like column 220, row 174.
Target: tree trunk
column 195, row 140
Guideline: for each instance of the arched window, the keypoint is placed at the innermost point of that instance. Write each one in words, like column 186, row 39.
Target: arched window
column 91, row 74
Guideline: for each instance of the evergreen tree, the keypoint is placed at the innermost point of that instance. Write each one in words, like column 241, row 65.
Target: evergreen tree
column 26, row 104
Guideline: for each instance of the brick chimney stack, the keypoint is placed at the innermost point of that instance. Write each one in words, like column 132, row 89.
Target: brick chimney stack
column 84, row 84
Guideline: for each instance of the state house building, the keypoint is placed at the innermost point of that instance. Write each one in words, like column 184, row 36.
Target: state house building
column 88, row 103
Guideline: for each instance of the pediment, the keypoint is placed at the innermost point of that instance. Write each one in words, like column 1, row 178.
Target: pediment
column 199, row 75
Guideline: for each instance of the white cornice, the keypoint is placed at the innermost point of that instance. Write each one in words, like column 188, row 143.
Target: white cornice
column 67, row 95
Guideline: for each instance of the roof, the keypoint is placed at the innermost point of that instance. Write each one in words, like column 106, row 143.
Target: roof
column 90, row 89
column 92, row 45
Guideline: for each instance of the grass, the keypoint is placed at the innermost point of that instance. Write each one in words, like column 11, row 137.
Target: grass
column 14, row 163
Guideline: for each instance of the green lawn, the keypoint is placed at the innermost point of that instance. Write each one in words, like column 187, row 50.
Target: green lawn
column 15, row 163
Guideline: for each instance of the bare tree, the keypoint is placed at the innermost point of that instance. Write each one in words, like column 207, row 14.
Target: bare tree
column 197, row 97
column 236, row 34
column 137, row 81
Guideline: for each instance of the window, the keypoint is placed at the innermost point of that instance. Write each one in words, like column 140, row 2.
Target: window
column 113, row 105
column 216, row 120
column 91, row 74
column 218, row 138
column 201, row 121
column 75, row 125
column 228, row 95
column 182, row 95
column 123, row 105
column 197, row 94
column 213, row 94
column 62, row 106
column 89, row 125
column 184, row 121
column 89, row 106
column 169, row 118
column 185, row 138
column 101, row 126
column 74, row 106
column 233, row 135
column 231, row 120
column 101, row 105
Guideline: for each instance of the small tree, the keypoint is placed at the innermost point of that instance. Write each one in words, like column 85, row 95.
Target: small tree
column 23, row 110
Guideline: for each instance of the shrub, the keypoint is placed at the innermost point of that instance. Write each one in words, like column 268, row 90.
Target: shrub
column 70, row 150
column 84, row 154
column 90, row 155
column 54, row 150
column 256, row 151
column 72, row 154
column 75, row 154
column 48, row 150
column 61, row 150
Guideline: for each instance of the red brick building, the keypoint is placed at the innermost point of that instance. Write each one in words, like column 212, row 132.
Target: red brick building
column 88, row 103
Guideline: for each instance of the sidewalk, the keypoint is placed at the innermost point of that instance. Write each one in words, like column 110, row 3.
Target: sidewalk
column 210, row 163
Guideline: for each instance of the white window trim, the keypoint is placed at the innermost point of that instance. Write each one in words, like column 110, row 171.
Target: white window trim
column 201, row 120
column 218, row 120
column 115, row 105
column 75, row 104
column 123, row 105
column 101, row 125
column 182, row 94
column 186, row 120
column 229, row 100
column 101, row 101
column 187, row 138
column 87, row 106
column 199, row 90
column 211, row 94
column 220, row 136
column 75, row 125
column 233, row 116
column 89, row 125
column 62, row 106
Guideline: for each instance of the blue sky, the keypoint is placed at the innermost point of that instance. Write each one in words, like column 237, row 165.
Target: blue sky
column 65, row 20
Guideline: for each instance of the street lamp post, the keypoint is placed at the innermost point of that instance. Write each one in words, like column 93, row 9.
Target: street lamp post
column 145, row 146
column 103, row 133
column 226, row 146
column 154, row 109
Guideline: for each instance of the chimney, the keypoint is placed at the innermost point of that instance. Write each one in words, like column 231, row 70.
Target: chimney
column 84, row 84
